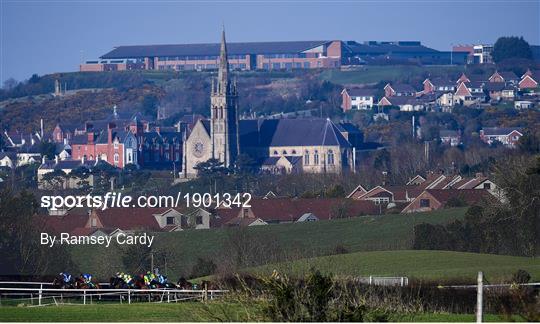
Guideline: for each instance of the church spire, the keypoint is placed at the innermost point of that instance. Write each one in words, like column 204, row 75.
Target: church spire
column 223, row 74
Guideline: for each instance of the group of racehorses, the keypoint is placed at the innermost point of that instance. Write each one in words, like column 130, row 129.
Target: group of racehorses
column 125, row 281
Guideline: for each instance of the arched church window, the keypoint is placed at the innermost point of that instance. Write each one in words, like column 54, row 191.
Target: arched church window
column 306, row 157
column 330, row 157
column 284, row 152
column 276, row 153
column 293, row 152
column 316, row 157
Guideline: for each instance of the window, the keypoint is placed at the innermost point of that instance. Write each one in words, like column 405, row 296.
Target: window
column 284, row 152
column 424, row 203
column 293, row 152
column 316, row 158
column 169, row 220
column 306, row 158
column 115, row 145
column 276, row 153
column 245, row 212
column 330, row 157
column 116, row 158
column 306, row 65
column 93, row 222
column 198, row 220
column 487, row 185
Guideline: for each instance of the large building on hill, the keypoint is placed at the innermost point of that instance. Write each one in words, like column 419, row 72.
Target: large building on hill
column 285, row 55
column 278, row 145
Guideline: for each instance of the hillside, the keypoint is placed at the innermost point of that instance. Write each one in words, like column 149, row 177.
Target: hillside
column 176, row 253
column 431, row 265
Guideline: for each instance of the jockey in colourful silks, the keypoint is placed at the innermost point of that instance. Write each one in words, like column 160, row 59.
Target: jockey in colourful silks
column 66, row 277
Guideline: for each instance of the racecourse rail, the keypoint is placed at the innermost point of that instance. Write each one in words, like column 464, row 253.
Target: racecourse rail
column 40, row 296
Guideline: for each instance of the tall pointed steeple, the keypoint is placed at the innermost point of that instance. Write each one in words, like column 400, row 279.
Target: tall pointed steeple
column 223, row 74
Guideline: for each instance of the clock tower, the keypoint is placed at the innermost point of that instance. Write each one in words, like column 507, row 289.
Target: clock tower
column 224, row 113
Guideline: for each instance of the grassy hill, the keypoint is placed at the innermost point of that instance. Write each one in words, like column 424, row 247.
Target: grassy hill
column 374, row 73
column 176, row 253
column 430, row 265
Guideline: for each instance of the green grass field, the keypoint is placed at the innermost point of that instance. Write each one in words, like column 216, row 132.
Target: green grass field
column 426, row 265
column 366, row 233
column 374, row 74
column 181, row 312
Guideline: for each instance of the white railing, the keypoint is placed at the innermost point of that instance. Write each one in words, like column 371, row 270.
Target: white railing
column 385, row 281
column 57, row 295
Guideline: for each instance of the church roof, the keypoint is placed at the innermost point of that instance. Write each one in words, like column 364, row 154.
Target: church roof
column 290, row 132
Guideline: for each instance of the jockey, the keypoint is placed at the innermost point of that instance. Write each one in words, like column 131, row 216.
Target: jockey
column 162, row 279
column 148, row 277
column 66, row 277
column 86, row 277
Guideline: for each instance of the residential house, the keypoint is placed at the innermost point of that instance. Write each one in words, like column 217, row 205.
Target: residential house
column 434, row 199
column 498, row 91
column 357, row 99
column 470, row 93
column 113, row 221
column 508, row 136
column 523, row 104
column 450, row 137
column 66, row 166
column 399, row 89
column 405, row 103
column 291, row 210
column 438, row 85
column 115, row 146
column 507, row 77
column 8, row 159
column 530, row 80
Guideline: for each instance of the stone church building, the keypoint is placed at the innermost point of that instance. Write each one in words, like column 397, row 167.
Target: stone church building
column 278, row 145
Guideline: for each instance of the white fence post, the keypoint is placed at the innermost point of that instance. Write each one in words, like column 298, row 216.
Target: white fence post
column 129, row 296
column 40, row 292
column 479, row 297
column 370, row 280
column 84, row 297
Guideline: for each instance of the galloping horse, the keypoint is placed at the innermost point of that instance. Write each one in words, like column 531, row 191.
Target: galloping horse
column 184, row 284
column 80, row 283
column 59, row 281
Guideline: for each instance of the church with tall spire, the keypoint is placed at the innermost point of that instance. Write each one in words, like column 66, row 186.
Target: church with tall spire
column 277, row 145
column 218, row 137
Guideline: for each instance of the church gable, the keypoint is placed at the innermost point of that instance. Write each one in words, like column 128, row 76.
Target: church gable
column 198, row 148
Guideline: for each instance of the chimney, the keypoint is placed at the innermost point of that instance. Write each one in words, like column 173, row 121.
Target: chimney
column 90, row 138
column 56, row 159
column 478, row 175
column 110, row 127
column 43, row 159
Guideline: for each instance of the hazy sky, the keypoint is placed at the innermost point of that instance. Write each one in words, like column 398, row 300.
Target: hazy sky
column 54, row 36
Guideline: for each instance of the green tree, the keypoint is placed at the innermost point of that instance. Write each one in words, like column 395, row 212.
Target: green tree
column 20, row 249
column 149, row 104
column 511, row 47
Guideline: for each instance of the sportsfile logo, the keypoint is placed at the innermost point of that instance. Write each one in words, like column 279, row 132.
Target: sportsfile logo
column 113, row 199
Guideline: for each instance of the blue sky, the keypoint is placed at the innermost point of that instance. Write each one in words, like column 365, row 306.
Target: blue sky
column 54, row 36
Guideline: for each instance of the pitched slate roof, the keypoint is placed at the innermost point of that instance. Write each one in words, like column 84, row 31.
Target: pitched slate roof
column 494, row 86
column 500, row 130
column 211, row 49
column 384, row 48
column 448, row 133
column 508, row 75
column 361, row 92
column 402, row 88
column 291, row 132
column 471, row 196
